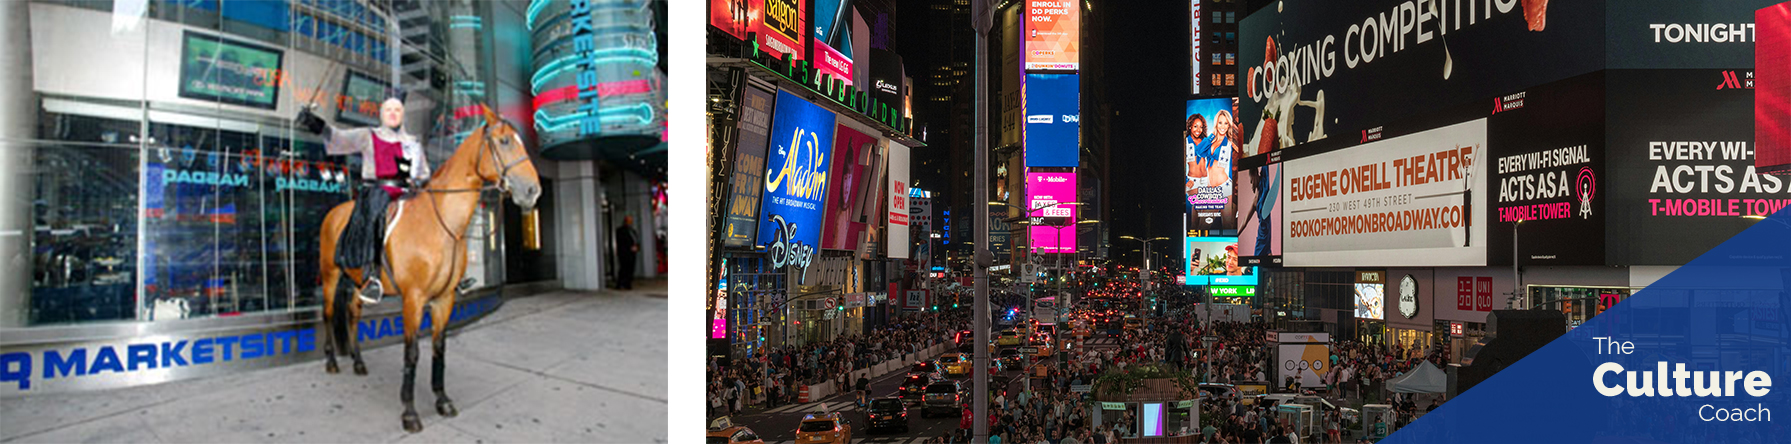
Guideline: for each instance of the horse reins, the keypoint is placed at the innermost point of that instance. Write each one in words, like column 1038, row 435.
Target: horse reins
column 503, row 178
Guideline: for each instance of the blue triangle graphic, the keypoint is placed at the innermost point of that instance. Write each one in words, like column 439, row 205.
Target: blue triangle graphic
column 1724, row 311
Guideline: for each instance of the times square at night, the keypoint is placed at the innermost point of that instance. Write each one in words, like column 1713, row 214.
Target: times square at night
column 939, row 221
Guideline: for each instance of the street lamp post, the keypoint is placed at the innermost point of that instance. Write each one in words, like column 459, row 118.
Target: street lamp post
column 1144, row 280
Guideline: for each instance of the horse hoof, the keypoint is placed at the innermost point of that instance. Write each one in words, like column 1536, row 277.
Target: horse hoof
column 360, row 369
column 331, row 368
column 412, row 423
column 446, row 408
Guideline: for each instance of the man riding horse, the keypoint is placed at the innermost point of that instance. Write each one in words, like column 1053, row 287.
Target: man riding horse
column 392, row 161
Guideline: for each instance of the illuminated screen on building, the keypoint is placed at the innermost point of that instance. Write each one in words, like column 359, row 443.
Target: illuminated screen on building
column 1044, row 191
column 1209, row 138
column 1214, row 261
column 1053, row 120
column 1053, row 35
column 832, row 39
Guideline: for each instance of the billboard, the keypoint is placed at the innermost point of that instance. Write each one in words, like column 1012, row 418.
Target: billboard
column 1547, row 165
column 1658, row 34
column 1371, row 295
column 855, row 155
column 735, row 17
column 1214, row 261
column 1682, row 167
column 795, row 180
column 1259, row 228
column 229, row 71
column 920, row 220
column 1314, row 68
column 1403, row 201
column 832, row 38
column 741, row 226
column 1303, row 356
column 1053, row 120
column 886, row 78
column 897, row 234
column 783, row 27
column 1209, row 133
column 1194, row 61
column 1053, row 35
column 1772, row 90
column 1043, row 190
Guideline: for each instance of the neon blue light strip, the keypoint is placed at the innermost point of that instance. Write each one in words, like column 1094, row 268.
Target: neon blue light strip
column 639, row 111
column 535, row 7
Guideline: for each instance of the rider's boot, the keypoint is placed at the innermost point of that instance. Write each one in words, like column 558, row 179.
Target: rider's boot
column 373, row 291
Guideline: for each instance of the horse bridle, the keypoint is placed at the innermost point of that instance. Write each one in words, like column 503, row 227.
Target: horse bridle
column 503, row 177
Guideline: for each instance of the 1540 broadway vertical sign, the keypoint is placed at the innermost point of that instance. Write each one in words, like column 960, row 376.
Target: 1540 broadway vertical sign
column 796, row 180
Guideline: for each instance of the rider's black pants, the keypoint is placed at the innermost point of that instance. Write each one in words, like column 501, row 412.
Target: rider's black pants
column 364, row 237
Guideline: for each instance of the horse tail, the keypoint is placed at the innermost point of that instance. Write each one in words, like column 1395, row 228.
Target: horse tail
column 339, row 322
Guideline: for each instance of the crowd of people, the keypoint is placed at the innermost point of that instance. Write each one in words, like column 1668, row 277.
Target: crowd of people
column 1049, row 411
column 769, row 376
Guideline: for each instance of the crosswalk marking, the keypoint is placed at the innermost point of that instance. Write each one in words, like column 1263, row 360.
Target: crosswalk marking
column 809, row 407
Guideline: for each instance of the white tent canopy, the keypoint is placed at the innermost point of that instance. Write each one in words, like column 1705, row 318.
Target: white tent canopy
column 1425, row 378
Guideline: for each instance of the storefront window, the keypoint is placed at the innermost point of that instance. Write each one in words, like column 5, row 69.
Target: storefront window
column 1578, row 304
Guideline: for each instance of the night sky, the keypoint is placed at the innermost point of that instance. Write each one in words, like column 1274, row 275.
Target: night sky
column 1147, row 81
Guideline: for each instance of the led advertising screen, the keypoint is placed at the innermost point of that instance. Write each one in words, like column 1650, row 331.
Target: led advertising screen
column 741, row 226
column 1053, row 120
column 796, row 179
column 782, row 27
column 1209, row 133
column 1259, row 222
column 897, row 234
column 1404, row 201
column 1194, row 61
column 1214, row 261
column 1772, row 89
column 228, row 71
column 1547, row 166
column 1370, row 301
column 854, row 157
column 1313, row 69
column 1043, row 190
column 1682, row 173
column 1053, row 35
column 832, row 38
column 735, row 16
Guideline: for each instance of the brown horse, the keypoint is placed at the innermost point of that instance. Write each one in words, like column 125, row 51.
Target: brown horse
column 426, row 252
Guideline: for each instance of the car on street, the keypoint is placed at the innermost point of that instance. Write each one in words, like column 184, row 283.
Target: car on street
column 723, row 431
column 828, row 428
column 956, row 363
column 1220, row 391
column 1010, row 357
column 1008, row 338
column 924, row 367
column 944, row 396
column 886, row 413
column 916, row 384
column 1134, row 324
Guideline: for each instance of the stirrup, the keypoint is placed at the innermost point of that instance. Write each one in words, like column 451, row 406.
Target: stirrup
column 464, row 285
column 373, row 292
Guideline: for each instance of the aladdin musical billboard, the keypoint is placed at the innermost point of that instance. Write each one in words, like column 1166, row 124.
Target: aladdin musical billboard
column 796, row 180
column 1057, row 231
column 1053, row 35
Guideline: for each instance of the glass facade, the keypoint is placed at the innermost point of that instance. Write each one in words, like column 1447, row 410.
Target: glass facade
column 151, row 202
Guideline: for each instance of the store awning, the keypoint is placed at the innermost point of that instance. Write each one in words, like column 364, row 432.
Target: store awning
column 1425, row 378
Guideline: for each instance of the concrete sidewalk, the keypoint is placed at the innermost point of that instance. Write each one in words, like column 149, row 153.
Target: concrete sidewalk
column 557, row 367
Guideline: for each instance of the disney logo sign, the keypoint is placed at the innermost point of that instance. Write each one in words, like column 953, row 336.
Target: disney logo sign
column 785, row 251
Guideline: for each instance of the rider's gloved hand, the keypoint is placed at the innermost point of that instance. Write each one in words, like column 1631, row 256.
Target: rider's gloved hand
column 310, row 122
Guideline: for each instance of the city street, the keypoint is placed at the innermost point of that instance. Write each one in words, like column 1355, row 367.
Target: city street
column 561, row 366
column 778, row 425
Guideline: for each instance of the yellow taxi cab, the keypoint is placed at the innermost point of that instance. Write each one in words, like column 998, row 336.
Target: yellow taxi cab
column 723, row 431
column 956, row 363
column 1008, row 338
column 1134, row 323
column 830, row 428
